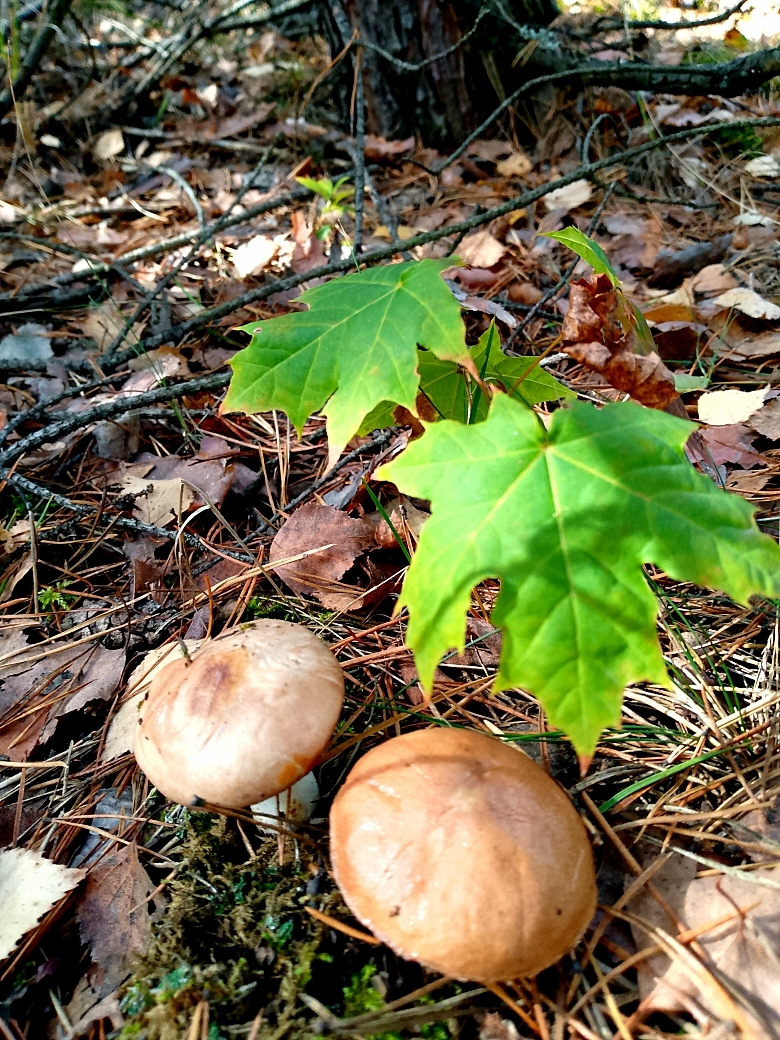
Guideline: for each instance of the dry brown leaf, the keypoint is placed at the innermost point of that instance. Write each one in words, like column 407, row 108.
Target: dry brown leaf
column 766, row 420
column 713, row 278
column 662, row 311
column 212, row 471
column 671, row 268
column 597, row 333
column 91, row 236
column 59, row 683
column 480, row 249
column 114, row 918
column 760, row 346
column 727, row 444
column 524, row 292
column 645, row 378
column 748, row 483
column 377, row 149
column 158, row 502
column 29, row 887
column 108, row 144
column 312, row 527
column 743, row 950
column 104, row 321
column 404, row 516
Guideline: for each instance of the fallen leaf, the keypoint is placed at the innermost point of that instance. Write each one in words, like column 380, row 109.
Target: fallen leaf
column 743, row 949
column 766, row 420
column 91, row 236
column 727, row 444
column 600, row 332
column 624, row 224
column 524, row 292
column 240, row 124
column 713, row 278
column 664, row 311
column 378, row 149
column 121, row 733
column 763, row 166
column 75, row 675
column 158, row 502
column 489, row 149
column 29, row 348
column 749, row 483
column 95, row 1011
column 760, row 346
column 515, row 165
column 645, row 378
column 98, row 679
column 749, row 302
column 725, row 407
column 473, row 279
column 404, row 516
column 29, row 887
column 480, row 249
column 114, row 917
column 108, row 144
column 570, row 196
column 210, row 474
column 312, row 527
column 476, row 303
column 252, row 256
column 104, row 321
column 680, row 340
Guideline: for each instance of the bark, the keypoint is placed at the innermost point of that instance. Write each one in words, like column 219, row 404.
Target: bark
column 448, row 98
column 445, row 100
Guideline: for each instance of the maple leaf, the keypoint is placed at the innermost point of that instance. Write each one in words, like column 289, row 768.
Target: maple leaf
column 566, row 518
column 353, row 349
column 451, row 395
column 606, row 331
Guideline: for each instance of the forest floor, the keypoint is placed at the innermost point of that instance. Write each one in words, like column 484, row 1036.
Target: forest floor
column 129, row 258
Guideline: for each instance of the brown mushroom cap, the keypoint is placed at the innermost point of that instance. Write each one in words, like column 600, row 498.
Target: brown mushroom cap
column 460, row 852
column 243, row 718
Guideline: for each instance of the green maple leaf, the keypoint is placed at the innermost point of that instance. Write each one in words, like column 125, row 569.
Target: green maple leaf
column 446, row 386
column 355, row 347
column 565, row 518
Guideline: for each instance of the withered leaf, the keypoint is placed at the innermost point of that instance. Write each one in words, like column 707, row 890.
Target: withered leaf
column 646, row 379
column 600, row 331
column 312, row 527
column 742, row 950
column 114, row 918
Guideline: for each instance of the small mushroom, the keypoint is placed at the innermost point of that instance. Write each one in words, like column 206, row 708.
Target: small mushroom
column 461, row 853
column 241, row 719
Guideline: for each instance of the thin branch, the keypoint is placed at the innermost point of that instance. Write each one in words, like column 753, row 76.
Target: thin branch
column 605, row 25
column 34, row 56
column 587, row 170
column 107, row 409
column 30, row 487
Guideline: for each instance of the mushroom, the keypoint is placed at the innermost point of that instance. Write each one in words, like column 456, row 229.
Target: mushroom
column 460, row 852
column 241, row 719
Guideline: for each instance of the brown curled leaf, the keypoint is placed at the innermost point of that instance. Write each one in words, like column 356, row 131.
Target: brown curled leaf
column 645, row 378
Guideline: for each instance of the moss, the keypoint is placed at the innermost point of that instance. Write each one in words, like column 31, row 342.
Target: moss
column 235, row 933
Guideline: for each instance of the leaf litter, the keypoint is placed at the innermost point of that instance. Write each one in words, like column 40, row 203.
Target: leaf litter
column 86, row 599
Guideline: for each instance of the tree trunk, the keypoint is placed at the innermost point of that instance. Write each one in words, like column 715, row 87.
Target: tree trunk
column 446, row 100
